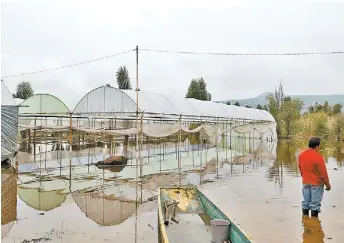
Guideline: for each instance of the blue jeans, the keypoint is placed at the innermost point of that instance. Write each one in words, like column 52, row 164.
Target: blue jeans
column 312, row 197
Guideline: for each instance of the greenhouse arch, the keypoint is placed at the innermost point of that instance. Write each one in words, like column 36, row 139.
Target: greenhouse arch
column 105, row 100
column 43, row 104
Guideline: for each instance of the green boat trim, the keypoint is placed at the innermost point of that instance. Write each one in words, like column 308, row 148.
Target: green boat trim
column 192, row 201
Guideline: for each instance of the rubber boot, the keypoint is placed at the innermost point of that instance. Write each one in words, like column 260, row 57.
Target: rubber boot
column 314, row 213
column 305, row 212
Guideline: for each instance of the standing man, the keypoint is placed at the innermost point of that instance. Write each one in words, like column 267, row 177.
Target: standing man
column 314, row 176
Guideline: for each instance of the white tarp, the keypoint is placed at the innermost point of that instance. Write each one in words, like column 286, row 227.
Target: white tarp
column 211, row 131
column 150, row 130
column 9, row 123
column 106, row 99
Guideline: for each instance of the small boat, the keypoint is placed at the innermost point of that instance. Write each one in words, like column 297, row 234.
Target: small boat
column 113, row 161
column 185, row 215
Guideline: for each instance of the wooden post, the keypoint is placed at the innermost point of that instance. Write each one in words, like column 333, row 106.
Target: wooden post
column 217, row 149
column 180, row 152
column 70, row 149
column 34, row 140
column 70, row 132
column 140, row 156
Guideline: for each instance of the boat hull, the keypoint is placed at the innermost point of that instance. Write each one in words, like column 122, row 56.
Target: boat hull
column 190, row 203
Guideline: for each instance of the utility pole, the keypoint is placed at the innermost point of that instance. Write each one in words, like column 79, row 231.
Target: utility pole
column 137, row 135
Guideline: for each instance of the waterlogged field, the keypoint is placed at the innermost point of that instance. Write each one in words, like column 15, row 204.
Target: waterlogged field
column 81, row 203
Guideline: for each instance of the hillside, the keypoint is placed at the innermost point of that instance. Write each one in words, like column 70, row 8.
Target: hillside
column 307, row 99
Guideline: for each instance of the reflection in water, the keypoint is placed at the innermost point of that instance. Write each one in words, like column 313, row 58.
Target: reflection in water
column 8, row 202
column 312, row 232
column 104, row 210
column 158, row 170
column 339, row 153
column 112, row 168
column 41, row 200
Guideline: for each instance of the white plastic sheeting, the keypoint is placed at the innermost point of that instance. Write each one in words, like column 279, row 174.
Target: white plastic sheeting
column 157, row 130
column 107, row 99
column 210, row 130
column 43, row 104
column 19, row 101
column 9, row 123
column 6, row 96
column 153, row 103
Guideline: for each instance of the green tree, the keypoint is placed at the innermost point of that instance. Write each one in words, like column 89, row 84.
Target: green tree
column 198, row 90
column 338, row 124
column 123, row 79
column 228, row 103
column 265, row 108
column 237, row 103
column 24, row 90
column 279, row 97
column 274, row 104
column 311, row 109
column 336, row 109
column 259, row 107
column 272, row 107
column 318, row 107
column 327, row 108
column 320, row 122
column 247, row 106
column 193, row 90
column 290, row 112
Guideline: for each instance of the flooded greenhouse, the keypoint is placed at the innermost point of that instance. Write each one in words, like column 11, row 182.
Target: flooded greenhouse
column 56, row 190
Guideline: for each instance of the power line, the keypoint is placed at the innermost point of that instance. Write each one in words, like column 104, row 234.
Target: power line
column 69, row 65
column 180, row 52
column 244, row 54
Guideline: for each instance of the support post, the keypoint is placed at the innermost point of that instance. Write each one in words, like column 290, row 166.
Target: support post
column 180, row 155
column 70, row 147
column 217, row 148
column 137, row 133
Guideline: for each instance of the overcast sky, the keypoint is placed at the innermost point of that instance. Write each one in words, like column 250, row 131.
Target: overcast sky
column 47, row 34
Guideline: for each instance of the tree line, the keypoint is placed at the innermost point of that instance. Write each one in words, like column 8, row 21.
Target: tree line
column 322, row 120
column 259, row 107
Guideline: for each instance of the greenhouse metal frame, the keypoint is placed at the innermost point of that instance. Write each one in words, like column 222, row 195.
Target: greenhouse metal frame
column 111, row 114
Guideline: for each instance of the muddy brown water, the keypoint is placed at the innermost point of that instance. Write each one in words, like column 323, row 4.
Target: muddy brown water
column 262, row 196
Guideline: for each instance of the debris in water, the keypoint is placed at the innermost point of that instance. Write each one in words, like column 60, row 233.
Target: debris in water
column 151, row 226
column 153, row 198
column 36, row 240
column 175, row 220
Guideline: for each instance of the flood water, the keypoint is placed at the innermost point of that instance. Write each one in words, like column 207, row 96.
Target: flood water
column 82, row 203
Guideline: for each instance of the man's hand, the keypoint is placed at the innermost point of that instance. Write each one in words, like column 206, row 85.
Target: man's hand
column 328, row 188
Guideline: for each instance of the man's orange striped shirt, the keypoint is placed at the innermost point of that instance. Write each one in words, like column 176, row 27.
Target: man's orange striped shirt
column 313, row 169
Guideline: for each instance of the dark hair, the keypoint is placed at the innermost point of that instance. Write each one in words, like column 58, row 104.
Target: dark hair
column 314, row 142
